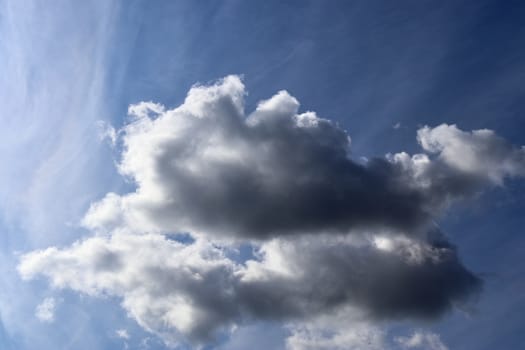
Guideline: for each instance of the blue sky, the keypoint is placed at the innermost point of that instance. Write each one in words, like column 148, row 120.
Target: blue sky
column 380, row 70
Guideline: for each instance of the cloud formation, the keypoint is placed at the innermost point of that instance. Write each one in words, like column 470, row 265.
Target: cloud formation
column 339, row 331
column 328, row 232
column 422, row 340
column 294, row 168
column 479, row 153
column 196, row 289
column 206, row 168
column 45, row 311
column 122, row 333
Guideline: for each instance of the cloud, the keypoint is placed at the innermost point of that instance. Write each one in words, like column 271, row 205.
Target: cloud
column 342, row 330
column 169, row 288
column 45, row 311
column 479, row 153
column 328, row 233
column 327, row 272
column 346, row 329
column 274, row 163
column 422, row 340
column 44, row 93
column 122, row 333
column 207, row 168
column 106, row 132
column 195, row 291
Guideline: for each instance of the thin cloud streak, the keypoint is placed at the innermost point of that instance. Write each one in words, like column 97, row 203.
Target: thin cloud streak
column 52, row 93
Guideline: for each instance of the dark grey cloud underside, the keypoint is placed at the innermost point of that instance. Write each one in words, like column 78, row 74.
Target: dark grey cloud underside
column 295, row 179
column 386, row 287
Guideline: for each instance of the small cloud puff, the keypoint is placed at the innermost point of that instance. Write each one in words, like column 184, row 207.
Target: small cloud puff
column 122, row 333
column 421, row 340
column 45, row 311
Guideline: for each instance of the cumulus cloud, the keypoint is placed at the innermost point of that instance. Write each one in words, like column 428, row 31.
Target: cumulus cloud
column 205, row 167
column 167, row 287
column 195, row 290
column 295, row 168
column 191, row 291
column 328, row 233
column 45, row 311
column 479, row 153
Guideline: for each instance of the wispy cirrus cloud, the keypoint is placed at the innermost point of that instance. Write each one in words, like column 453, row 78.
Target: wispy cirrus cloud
column 56, row 60
column 55, row 65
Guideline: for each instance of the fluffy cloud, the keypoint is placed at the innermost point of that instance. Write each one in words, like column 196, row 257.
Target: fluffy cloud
column 195, row 290
column 328, row 233
column 191, row 291
column 167, row 287
column 45, row 311
column 480, row 153
column 205, row 167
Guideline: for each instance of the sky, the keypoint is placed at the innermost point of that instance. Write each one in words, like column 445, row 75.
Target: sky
column 262, row 175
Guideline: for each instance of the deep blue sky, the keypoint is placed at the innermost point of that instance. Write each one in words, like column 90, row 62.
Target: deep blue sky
column 367, row 64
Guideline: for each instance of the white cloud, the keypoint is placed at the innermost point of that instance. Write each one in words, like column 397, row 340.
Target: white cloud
column 45, row 311
column 145, row 109
column 122, row 333
column 107, row 132
column 165, row 285
column 480, row 153
column 422, row 340
column 342, row 330
column 193, row 291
